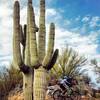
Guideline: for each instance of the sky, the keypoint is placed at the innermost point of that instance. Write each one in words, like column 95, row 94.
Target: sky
column 77, row 25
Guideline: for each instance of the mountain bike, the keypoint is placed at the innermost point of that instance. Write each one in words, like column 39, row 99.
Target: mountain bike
column 65, row 95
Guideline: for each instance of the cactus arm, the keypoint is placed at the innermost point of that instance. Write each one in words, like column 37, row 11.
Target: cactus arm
column 17, row 39
column 50, row 48
column 16, row 34
column 41, row 36
column 27, row 44
column 32, row 32
column 52, row 61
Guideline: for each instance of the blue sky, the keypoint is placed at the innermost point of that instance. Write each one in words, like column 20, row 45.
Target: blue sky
column 82, row 19
column 78, row 12
column 77, row 25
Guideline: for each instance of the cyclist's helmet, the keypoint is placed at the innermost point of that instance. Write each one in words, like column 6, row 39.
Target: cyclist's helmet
column 65, row 77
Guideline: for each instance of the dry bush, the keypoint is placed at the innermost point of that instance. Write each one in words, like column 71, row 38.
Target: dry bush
column 9, row 79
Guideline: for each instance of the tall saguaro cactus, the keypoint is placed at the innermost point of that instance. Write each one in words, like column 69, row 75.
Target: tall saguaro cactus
column 33, row 59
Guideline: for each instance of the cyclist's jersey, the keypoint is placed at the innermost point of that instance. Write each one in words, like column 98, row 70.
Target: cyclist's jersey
column 66, row 81
column 64, row 84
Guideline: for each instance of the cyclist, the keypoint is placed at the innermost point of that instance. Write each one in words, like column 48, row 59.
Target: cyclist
column 65, row 82
column 69, row 87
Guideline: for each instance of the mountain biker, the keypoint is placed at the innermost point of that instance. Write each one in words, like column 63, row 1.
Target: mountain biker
column 65, row 82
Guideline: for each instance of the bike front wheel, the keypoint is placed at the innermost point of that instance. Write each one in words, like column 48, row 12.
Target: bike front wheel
column 57, row 95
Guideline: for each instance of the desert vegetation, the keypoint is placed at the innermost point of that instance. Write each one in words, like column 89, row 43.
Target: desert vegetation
column 69, row 63
column 34, row 65
column 9, row 79
column 96, row 69
column 12, row 78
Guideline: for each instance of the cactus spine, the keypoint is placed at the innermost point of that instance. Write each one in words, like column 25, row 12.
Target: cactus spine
column 33, row 57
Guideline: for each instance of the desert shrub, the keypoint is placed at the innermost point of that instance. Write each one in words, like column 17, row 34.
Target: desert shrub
column 69, row 63
column 9, row 78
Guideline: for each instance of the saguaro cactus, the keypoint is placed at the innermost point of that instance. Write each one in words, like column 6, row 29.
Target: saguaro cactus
column 33, row 59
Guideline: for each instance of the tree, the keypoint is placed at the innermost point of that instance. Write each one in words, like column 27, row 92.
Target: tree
column 32, row 59
column 69, row 63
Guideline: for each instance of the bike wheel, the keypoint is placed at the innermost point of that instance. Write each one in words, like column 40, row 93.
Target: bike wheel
column 57, row 95
column 76, row 96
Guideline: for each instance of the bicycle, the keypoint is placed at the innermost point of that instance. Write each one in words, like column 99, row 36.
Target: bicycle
column 64, row 95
